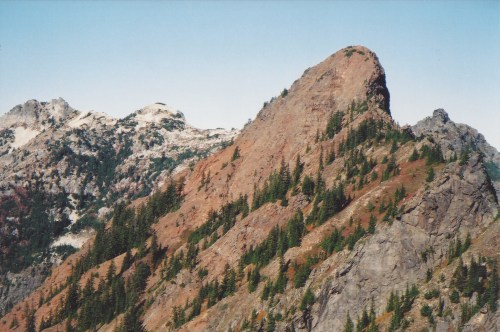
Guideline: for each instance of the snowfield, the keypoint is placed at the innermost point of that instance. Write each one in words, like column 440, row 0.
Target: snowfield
column 23, row 136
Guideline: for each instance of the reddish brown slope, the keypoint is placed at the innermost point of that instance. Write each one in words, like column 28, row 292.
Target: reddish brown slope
column 282, row 129
column 285, row 128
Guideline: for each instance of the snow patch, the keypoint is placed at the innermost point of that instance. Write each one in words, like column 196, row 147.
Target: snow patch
column 74, row 240
column 23, row 136
column 90, row 119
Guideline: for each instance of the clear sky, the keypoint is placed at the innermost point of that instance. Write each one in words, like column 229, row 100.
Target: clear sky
column 219, row 61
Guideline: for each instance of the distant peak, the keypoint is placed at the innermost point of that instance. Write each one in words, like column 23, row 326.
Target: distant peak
column 441, row 115
column 33, row 111
column 157, row 112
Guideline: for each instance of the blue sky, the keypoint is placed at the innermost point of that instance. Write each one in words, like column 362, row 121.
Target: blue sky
column 219, row 61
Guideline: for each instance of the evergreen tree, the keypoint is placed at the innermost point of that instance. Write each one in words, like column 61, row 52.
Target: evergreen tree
column 414, row 156
column 127, row 261
column 349, row 325
column 397, row 315
column 132, row 321
column 307, row 300
column 254, row 279
column 321, row 165
column 371, row 224
column 493, row 289
column 281, row 281
column 391, row 303
column 430, row 174
column 334, row 124
column 179, row 316
column 69, row 325
column 454, row 296
column 236, row 154
column 72, row 298
column 308, row 186
column 297, row 171
column 29, row 313
column 110, row 275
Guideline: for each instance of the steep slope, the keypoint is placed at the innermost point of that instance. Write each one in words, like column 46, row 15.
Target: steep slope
column 321, row 209
column 283, row 129
column 61, row 170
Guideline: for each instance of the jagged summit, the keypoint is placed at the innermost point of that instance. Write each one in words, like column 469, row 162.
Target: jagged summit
column 33, row 113
column 453, row 137
column 440, row 115
column 456, row 139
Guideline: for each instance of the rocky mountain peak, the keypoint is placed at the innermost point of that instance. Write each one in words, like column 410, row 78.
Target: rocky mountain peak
column 350, row 82
column 157, row 112
column 351, row 74
column 453, row 137
column 457, row 140
column 440, row 115
column 34, row 113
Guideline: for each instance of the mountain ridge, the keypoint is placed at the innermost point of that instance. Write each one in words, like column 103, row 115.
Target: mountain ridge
column 81, row 164
column 320, row 212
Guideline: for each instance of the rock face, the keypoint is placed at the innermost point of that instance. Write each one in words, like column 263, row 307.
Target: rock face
column 458, row 202
column 16, row 286
column 456, row 138
column 483, row 322
column 68, row 165
column 453, row 137
column 383, row 211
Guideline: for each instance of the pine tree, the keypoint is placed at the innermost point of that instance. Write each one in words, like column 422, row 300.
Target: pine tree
column 179, row 316
column 430, row 175
column 297, row 171
column 493, row 289
column 127, row 261
column 69, row 325
column 414, row 156
column 308, row 186
column 391, row 303
column 307, row 300
column 132, row 321
column 236, row 154
column 281, row 281
column 72, row 297
column 111, row 272
column 321, row 166
column 254, row 280
column 349, row 325
column 371, row 224
column 29, row 313
column 396, row 316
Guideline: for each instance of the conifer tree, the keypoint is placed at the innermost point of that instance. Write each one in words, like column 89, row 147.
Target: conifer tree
column 132, row 321
column 372, row 224
column 430, row 175
column 29, row 313
column 297, row 171
column 414, row 156
column 321, row 166
column 308, row 186
column 69, row 325
column 493, row 289
column 307, row 300
column 349, row 325
column 236, row 154
column 110, row 275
